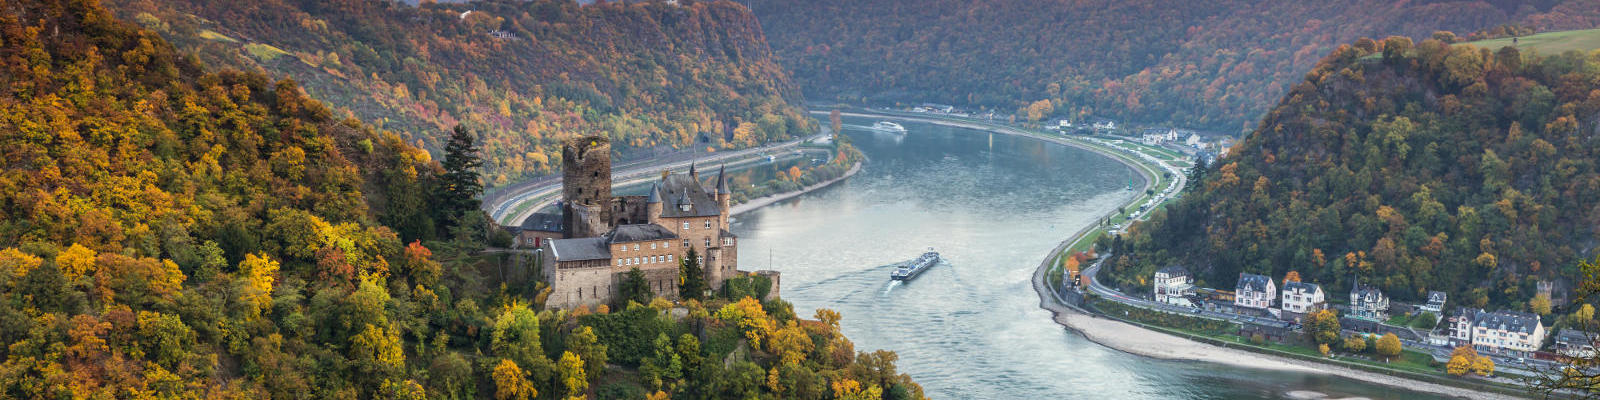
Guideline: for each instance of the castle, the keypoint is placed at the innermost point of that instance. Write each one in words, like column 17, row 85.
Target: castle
column 602, row 236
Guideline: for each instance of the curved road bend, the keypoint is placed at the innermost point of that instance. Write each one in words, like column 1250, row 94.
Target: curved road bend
column 506, row 211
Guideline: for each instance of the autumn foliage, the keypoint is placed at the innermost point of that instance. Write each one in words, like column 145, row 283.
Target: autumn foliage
column 1413, row 167
column 523, row 75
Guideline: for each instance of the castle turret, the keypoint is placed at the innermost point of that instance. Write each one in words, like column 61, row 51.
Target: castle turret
column 724, row 196
column 586, row 186
column 693, row 174
column 653, row 204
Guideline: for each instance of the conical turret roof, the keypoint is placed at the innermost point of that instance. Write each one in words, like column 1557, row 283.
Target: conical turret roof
column 722, row 182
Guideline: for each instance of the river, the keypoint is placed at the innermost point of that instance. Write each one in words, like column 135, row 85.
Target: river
column 993, row 205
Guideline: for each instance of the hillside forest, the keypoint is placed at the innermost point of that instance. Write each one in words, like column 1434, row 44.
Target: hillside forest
column 522, row 75
column 170, row 230
column 1208, row 65
column 1410, row 166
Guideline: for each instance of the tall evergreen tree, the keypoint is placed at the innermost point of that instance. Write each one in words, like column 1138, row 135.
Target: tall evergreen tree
column 634, row 288
column 459, row 187
column 691, row 278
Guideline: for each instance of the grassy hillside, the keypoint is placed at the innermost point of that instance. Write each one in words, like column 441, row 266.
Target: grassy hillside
column 1204, row 64
column 522, row 74
column 1429, row 167
column 1549, row 42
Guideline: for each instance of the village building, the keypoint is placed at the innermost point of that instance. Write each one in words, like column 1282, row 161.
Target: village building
column 1435, row 303
column 1255, row 291
column 1369, row 303
column 1575, row 343
column 1174, row 285
column 1460, row 325
column 604, row 236
column 1512, row 333
column 1300, row 298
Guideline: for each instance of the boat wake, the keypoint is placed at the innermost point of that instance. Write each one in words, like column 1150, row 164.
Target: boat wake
column 887, row 288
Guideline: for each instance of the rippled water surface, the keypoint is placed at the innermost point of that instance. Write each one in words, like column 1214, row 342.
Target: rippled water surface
column 970, row 328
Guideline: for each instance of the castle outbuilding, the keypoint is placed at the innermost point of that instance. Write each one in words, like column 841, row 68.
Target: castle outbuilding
column 605, row 236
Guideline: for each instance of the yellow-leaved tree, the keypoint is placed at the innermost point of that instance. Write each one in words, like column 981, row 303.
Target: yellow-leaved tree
column 1461, row 360
column 76, row 262
column 510, row 383
column 748, row 315
column 14, row 263
column 791, row 344
column 258, row 273
column 571, row 369
column 1388, row 346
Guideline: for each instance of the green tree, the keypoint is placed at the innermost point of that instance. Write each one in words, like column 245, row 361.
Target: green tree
column 663, row 368
column 515, row 336
column 691, row 277
column 634, row 288
column 583, row 342
column 460, row 185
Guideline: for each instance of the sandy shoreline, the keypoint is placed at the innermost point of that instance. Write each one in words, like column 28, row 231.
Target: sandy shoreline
column 751, row 205
column 1128, row 338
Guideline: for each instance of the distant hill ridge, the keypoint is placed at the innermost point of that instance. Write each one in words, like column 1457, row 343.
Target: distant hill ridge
column 1217, row 65
column 1427, row 167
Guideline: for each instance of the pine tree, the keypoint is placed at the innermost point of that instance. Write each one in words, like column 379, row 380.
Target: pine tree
column 691, row 278
column 634, row 288
column 459, row 186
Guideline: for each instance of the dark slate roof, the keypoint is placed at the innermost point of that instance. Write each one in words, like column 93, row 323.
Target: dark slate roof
column 542, row 222
column 1572, row 336
column 655, row 194
column 1512, row 321
column 726, row 234
column 683, row 189
column 1307, row 287
column 639, row 233
column 1253, row 282
column 1365, row 290
column 1436, row 297
column 580, row 249
column 1174, row 270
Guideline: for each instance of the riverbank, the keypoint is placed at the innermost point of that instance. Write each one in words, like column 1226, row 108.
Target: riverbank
column 768, row 200
column 1137, row 340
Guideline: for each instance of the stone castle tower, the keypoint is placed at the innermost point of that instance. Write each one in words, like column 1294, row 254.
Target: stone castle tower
column 586, row 186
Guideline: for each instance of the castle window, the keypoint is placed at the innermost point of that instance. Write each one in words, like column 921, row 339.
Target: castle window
column 708, row 224
column 619, row 262
column 666, row 245
column 686, row 225
column 652, row 245
column 686, row 243
column 596, row 174
column 635, row 247
column 708, row 242
column 669, row 258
